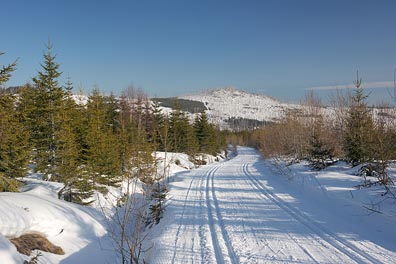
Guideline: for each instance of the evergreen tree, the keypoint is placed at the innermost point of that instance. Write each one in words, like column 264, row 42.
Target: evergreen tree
column 68, row 86
column 125, row 135
column 67, row 158
column 5, row 71
column 321, row 149
column 181, row 134
column 157, row 207
column 69, row 161
column 160, row 128
column 44, row 116
column 112, row 114
column 205, row 134
column 358, row 142
column 103, row 160
column 14, row 147
column 148, row 120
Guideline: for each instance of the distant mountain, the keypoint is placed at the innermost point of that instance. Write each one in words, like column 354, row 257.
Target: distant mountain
column 12, row 89
column 228, row 105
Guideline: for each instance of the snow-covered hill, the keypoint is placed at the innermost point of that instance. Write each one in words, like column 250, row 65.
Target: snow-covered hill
column 229, row 103
column 226, row 103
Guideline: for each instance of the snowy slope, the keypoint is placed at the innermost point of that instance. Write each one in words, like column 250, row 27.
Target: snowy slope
column 77, row 229
column 241, row 211
column 230, row 102
column 81, row 231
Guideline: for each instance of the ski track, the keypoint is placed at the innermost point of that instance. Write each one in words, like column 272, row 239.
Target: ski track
column 228, row 214
column 216, row 223
column 342, row 245
column 181, row 225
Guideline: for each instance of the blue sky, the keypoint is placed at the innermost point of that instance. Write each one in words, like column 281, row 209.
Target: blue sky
column 169, row 47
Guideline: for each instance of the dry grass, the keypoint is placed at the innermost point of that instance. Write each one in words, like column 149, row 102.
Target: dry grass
column 28, row 242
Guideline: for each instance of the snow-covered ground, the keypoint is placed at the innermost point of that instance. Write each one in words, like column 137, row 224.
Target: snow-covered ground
column 83, row 232
column 243, row 211
column 77, row 229
column 236, row 211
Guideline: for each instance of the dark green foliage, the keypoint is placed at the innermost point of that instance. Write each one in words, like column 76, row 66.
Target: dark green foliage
column 67, row 158
column 359, row 129
column 78, row 189
column 245, row 124
column 8, row 184
column 181, row 134
column 68, row 86
column 205, row 134
column 14, row 147
column 92, row 146
column 157, row 207
column 182, row 104
column 70, row 167
column 5, row 71
column 210, row 139
column 102, row 158
column 44, row 116
column 160, row 128
column 321, row 149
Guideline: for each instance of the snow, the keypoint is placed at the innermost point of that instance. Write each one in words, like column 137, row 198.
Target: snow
column 8, row 253
column 229, row 102
column 80, row 99
column 71, row 226
column 241, row 210
column 82, row 231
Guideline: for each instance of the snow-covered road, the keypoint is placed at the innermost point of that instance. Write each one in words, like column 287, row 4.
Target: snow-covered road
column 239, row 211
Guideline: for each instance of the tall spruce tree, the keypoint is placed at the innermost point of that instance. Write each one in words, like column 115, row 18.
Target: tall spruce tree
column 160, row 128
column 69, row 157
column 103, row 160
column 5, row 71
column 181, row 133
column 45, row 115
column 205, row 134
column 358, row 141
column 14, row 147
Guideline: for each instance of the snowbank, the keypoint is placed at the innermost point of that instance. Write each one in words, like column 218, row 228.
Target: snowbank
column 70, row 226
column 81, row 231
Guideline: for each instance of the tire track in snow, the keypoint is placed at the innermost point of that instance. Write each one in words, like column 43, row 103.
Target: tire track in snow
column 201, row 230
column 263, row 241
column 230, row 249
column 216, row 215
column 181, row 222
column 338, row 243
column 275, row 253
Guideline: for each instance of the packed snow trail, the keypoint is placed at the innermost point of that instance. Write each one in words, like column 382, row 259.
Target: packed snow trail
column 230, row 213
